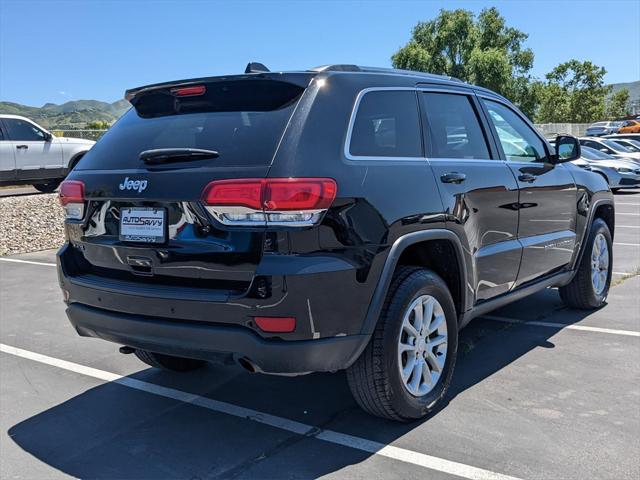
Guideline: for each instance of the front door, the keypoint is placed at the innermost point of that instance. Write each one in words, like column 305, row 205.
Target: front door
column 548, row 194
column 35, row 156
column 478, row 190
column 7, row 159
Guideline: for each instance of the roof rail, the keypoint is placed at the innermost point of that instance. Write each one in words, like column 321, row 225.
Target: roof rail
column 395, row 71
column 336, row 68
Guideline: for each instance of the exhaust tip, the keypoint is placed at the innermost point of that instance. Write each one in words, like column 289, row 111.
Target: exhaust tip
column 247, row 365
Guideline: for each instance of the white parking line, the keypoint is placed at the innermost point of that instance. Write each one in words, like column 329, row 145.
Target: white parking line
column 15, row 260
column 627, row 244
column 627, row 226
column 629, row 333
column 337, row 438
column 632, row 214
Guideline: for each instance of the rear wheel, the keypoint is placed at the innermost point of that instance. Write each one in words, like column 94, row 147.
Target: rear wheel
column 168, row 362
column 407, row 367
column 590, row 285
column 48, row 187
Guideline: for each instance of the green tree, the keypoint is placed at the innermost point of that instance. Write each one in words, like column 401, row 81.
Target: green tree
column 98, row 125
column 617, row 105
column 574, row 92
column 481, row 50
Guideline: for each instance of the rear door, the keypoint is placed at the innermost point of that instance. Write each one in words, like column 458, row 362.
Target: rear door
column 478, row 190
column 36, row 158
column 7, row 158
column 241, row 120
column 548, row 194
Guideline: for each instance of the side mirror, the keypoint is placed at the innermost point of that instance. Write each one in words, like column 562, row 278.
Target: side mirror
column 567, row 149
column 47, row 136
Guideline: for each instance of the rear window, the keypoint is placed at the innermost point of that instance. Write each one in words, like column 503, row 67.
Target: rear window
column 387, row 125
column 242, row 120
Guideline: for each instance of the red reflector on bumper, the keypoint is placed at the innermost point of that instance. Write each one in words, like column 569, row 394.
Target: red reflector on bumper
column 276, row 324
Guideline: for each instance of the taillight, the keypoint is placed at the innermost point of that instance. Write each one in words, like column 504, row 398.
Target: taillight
column 294, row 202
column 189, row 91
column 71, row 198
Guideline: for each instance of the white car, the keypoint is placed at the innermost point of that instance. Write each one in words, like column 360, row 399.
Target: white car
column 610, row 147
column 618, row 173
column 29, row 154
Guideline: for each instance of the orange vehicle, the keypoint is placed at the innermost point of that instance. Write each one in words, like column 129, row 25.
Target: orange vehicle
column 630, row 126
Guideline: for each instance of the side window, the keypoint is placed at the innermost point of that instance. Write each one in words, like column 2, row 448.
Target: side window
column 387, row 125
column 23, row 131
column 452, row 127
column 598, row 146
column 519, row 142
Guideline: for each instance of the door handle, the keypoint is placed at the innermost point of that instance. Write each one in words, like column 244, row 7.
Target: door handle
column 453, row 177
column 21, row 147
column 527, row 177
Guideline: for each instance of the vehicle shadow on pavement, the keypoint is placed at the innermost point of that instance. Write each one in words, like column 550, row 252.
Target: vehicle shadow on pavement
column 112, row 431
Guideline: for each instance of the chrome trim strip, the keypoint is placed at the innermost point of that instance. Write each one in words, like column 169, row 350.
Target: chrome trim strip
column 352, row 119
column 356, row 105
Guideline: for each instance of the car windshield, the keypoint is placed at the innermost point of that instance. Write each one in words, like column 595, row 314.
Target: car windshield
column 242, row 121
column 632, row 145
column 616, row 146
column 599, row 124
column 593, row 154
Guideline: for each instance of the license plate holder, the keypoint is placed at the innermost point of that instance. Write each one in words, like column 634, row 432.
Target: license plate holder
column 143, row 224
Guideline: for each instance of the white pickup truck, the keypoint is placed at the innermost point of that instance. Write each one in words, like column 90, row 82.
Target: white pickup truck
column 29, row 154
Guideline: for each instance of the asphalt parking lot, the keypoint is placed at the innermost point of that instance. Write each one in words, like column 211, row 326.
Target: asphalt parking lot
column 539, row 392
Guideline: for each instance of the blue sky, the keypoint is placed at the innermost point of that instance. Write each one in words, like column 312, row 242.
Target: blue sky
column 54, row 51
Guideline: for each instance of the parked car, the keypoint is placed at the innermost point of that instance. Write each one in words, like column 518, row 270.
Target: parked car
column 624, row 136
column 633, row 145
column 602, row 128
column 619, row 174
column 29, row 154
column 610, row 147
column 290, row 221
column 630, row 126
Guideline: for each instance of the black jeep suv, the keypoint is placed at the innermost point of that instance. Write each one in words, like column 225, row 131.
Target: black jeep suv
column 337, row 218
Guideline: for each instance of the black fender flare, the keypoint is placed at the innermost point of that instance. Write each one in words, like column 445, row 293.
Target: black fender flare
column 380, row 293
column 587, row 225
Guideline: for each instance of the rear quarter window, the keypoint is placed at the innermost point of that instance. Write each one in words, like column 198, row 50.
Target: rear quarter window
column 386, row 125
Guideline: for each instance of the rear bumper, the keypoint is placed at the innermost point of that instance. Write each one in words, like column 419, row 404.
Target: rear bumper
column 207, row 342
column 322, row 292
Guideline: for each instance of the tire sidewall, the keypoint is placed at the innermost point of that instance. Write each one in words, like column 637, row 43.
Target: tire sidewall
column 406, row 404
column 598, row 226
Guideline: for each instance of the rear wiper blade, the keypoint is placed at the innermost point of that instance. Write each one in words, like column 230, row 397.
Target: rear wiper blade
column 169, row 155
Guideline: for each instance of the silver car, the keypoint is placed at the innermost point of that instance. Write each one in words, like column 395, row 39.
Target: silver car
column 619, row 174
column 613, row 148
column 603, row 128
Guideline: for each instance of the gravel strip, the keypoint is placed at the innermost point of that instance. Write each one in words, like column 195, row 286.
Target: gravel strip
column 30, row 223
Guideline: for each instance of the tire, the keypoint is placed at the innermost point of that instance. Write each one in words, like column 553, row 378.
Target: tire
column 581, row 293
column 168, row 362
column 375, row 379
column 48, row 187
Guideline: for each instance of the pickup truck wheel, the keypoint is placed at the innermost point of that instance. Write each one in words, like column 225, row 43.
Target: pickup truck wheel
column 406, row 369
column 48, row 187
column 590, row 285
column 168, row 362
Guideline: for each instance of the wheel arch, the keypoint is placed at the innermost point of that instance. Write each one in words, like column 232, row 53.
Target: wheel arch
column 405, row 248
column 603, row 208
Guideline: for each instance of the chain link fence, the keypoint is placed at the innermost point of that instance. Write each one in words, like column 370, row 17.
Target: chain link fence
column 84, row 134
column 552, row 129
